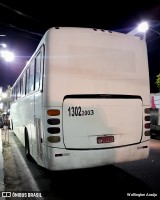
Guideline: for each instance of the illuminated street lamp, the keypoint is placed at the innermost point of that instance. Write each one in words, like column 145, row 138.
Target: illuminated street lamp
column 8, row 56
column 3, row 45
column 141, row 28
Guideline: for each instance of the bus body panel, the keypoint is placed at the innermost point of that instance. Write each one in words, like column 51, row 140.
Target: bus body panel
column 75, row 159
column 24, row 119
column 105, row 62
column 87, row 121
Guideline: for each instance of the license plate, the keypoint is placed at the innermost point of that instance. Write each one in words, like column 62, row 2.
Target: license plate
column 105, row 139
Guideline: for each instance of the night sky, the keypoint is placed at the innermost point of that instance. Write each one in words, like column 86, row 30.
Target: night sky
column 24, row 25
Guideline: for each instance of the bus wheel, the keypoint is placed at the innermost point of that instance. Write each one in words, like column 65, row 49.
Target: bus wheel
column 27, row 151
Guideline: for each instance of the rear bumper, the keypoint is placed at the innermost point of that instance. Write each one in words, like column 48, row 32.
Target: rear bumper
column 74, row 159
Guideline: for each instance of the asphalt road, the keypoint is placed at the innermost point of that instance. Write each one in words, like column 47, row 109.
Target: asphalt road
column 123, row 181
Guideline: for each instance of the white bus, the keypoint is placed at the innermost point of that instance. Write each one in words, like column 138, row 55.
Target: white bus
column 83, row 99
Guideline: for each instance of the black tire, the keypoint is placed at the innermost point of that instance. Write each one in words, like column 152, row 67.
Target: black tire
column 27, row 150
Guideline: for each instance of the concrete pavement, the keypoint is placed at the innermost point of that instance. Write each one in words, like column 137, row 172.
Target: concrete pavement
column 2, row 186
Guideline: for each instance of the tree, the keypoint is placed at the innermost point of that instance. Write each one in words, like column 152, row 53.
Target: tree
column 158, row 81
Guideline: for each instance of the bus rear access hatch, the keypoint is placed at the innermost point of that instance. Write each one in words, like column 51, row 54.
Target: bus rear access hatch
column 91, row 123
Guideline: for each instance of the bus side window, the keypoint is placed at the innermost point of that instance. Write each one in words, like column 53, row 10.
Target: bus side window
column 31, row 78
column 37, row 71
column 23, row 84
column 27, row 81
column 18, row 90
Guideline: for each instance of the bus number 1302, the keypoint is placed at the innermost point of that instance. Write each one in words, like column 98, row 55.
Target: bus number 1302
column 77, row 111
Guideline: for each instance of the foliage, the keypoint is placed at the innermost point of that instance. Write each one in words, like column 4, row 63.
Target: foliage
column 158, row 81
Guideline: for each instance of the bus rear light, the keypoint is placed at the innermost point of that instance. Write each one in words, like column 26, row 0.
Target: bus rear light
column 147, row 133
column 147, row 118
column 54, row 139
column 54, row 121
column 147, row 125
column 53, row 112
column 53, row 130
column 147, row 110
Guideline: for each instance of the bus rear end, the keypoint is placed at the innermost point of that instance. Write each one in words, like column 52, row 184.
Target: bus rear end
column 99, row 82
column 100, row 130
